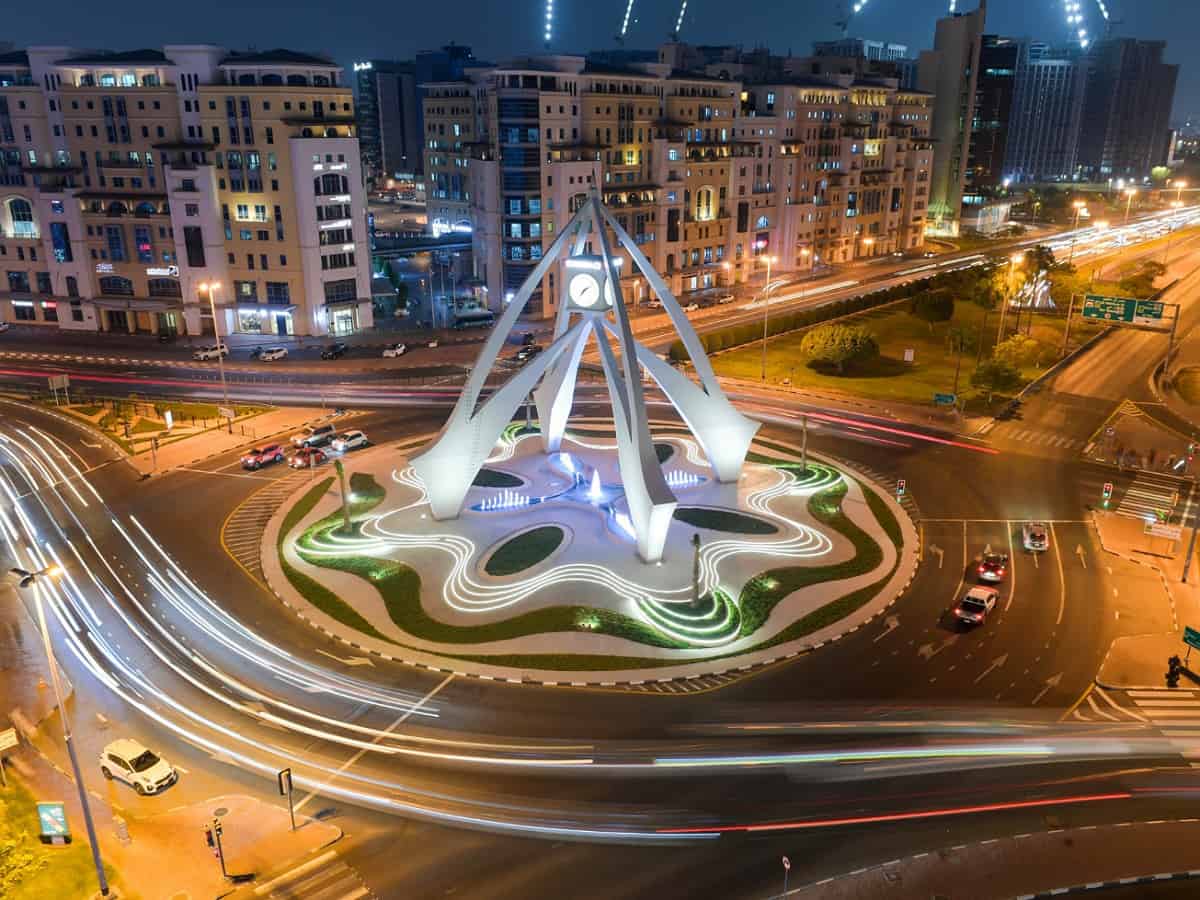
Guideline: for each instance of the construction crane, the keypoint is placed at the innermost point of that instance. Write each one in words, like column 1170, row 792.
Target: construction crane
column 1073, row 10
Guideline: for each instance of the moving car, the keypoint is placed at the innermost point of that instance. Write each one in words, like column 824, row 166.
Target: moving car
column 314, row 436
column 432, row 345
column 1034, row 535
column 3, row 327
column 528, row 338
column 349, row 440
column 335, row 350
column 391, row 351
column 261, row 456
column 270, row 354
column 210, row 351
column 131, row 762
column 654, row 304
column 691, row 307
column 307, row 458
column 993, row 567
column 975, row 605
column 528, row 352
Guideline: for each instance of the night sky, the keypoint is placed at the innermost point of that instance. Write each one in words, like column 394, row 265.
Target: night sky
column 362, row 29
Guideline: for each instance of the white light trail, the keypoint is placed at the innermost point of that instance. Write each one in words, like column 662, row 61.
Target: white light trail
column 548, row 24
column 679, row 19
column 625, row 21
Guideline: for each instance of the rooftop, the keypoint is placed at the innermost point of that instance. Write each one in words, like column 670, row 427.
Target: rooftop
column 144, row 57
column 15, row 58
column 278, row 56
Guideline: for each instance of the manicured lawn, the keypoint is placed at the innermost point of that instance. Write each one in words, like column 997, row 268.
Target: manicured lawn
column 524, row 551
column 493, row 478
column 723, row 520
column 889, row 377
column 146, row 426
column 31, row 870
column 92, row 409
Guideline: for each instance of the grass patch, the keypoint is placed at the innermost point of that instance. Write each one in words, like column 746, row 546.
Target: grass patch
column 524, row 551
column 1187, row 385
column 31, row 870
column 147, row 426
column 189, row 410
column 91, row 409
column 494, row 478
column 723, row 520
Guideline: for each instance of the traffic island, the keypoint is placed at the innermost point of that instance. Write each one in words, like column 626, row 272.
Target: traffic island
column 541, row 582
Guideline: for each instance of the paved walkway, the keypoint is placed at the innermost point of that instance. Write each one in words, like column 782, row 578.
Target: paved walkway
column 1050, row 863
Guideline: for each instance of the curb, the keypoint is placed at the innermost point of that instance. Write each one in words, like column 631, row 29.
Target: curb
column 869, row 482
column 1109, row 885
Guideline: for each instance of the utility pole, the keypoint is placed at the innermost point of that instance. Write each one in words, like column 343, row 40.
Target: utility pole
column 1187, row 560
column 804, row 444
column 1067, row 330
column 341, row 474
column 766, row 308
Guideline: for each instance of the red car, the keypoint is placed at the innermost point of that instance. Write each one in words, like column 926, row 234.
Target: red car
column 261, row 456
column 307, row 457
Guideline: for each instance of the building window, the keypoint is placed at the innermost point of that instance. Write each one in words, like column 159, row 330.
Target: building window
column 20, row 213
column 72, row 286
column 43, row 283
column 193, row 241
column 76, row 311
column 115, row 239
column 18, row 282
column 23, row 311
column 141, row 242
column 278, row 292
column 164, row 287
column 61, row 239
column 336, row 291
column 49, row 311
column 116, row 285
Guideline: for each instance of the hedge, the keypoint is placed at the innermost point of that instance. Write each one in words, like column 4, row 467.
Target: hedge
column 735, row 335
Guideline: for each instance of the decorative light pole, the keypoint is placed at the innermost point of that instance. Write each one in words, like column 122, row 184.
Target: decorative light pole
column 31, row 579
column 766, row 309
column 1129, row 194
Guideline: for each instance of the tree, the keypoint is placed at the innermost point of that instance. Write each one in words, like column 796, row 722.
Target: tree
column 1040, row 258
column 1141, row 282
column 1159, row 174
column 1018, row 351
column 839, row 345
column 995, row 375
column 932, row 306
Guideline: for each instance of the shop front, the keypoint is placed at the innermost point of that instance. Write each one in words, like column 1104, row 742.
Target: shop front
column 266, row 320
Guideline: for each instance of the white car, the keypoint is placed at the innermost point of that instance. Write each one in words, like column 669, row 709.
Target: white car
column 270, row 354
column 391, row 351
column 211, row 351
column 975, row 605
column 350, row 440
column 1034, row 536
column 131, row 762
column 691, row 307
column 3, row 327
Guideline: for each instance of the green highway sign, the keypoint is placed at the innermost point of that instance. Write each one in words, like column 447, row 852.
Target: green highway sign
column 1122, row 309
column 1191, row 637
column 945, row 399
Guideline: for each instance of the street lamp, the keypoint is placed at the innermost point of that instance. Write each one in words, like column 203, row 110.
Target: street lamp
column 728, row 267
column 1179, row 186
column 211, row 288
column 868, row 243
column 1080, row 206
column 1013, row 261
column 27, row 579
column 1175, row 204
column 766, row 309
column 1129, row 193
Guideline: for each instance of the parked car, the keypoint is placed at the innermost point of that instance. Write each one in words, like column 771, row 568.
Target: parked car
column 725, row 298
column 993, row 567
column 270, row 354
column 691, row 307
column 335, row 350
column 307, row 458
column 654, row 304
column 3, row 327
column 349, row 440
column 392, row 351
column 975, row 605
column 261, row 456
column 1034, row 536
column 210, row 351
column 528, row 352
column 528, row 338
column 314, row 436
column 129, row 761
column 432, row 344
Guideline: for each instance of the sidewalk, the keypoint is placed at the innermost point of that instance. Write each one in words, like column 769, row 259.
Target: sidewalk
column 1027, row 865
column 1138, row 661
column 165, row 856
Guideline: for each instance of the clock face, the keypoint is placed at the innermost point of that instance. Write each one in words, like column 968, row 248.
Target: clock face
column 584, row 290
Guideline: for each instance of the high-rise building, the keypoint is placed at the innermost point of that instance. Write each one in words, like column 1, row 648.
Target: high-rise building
column 131, row 179
column 1125, row 130
column 707, row 174
column 390, row 116
column 1047, row 107
column 993, row 110
column 858, row 47
column 950, row 72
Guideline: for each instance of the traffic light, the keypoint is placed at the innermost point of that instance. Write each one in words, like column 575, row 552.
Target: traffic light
column 210, row 839
column 900, row 487
column 1107, row 493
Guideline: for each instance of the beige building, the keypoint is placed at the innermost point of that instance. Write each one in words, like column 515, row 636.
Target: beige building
column 129, row 180
column 708, row 176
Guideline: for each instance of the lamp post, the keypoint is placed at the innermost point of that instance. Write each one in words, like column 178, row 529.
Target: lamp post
column 728, row 273
column 1179, row 186
column 211, row 287
column 31, row 579
column 1176, row 204
column 868, row 243
column 1080, row 206
column 766, row 310
column 1008, row 294
column 1129, row 192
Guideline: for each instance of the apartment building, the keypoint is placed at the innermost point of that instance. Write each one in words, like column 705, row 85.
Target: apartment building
column 131, row 180
column 707, row 175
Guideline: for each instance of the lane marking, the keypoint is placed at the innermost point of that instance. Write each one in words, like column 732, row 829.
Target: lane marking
column 1062, row 579
column 1012, row 568
column 293, row 874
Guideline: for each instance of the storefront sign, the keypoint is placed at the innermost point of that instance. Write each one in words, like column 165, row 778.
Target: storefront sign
column 169, row 271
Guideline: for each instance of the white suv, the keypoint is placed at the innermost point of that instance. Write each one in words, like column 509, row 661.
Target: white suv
column 211, row 351
column 134, row 764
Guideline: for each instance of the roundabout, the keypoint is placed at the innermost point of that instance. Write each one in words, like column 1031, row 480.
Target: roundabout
column 542, row 582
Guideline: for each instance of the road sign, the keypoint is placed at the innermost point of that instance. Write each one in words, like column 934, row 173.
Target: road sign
column 945, row 399
column 1191, row 637
column 787, row 864
column 224, row 412
column 1126, row 310
column 1161, row 529
column 169, row 419
column 52, row 817
column 8, row 739
column 59, row 382
column 909, row 354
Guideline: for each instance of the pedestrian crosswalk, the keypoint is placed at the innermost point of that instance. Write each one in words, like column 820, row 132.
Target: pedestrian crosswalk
column 243, row 531
column 1173, row 712
column 1038, row 438
column 325, row 877
column 1148, row 496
